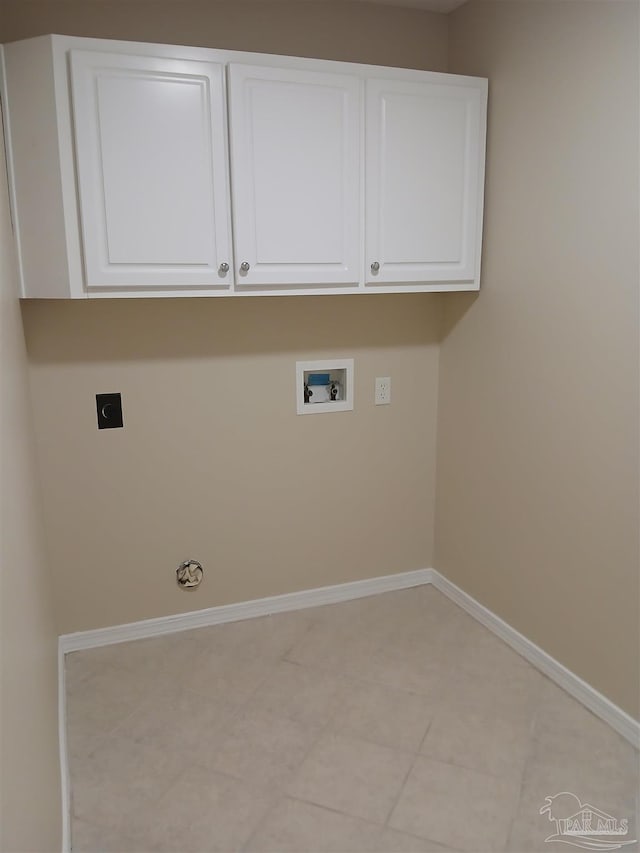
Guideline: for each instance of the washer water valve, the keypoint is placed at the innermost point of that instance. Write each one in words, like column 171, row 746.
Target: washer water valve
column 189, row 574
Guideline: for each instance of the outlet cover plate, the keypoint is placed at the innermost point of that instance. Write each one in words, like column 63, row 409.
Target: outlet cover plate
column 383, row 390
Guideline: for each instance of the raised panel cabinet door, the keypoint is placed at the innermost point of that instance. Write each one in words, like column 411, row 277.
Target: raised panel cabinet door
column 295, row 173
column 424, row 179
column 151, row 158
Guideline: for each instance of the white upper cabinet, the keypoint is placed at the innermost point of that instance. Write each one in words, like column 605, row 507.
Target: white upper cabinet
column 295, row 172
column 150, row 142
column 424, row 180
column 162, row 170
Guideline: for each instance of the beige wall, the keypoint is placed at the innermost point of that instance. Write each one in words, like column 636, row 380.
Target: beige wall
column 344, row 30
column 30, row 809
column 537, row 506
column 213, row 462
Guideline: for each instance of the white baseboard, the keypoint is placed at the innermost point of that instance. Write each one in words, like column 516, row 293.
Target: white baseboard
column 598, row 704
column 243, row 610
column 618, row 719
column 65, row 780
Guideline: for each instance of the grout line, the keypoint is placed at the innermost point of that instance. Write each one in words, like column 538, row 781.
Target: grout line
column 373, row 824
column 400, row 791
column 528, row 758
column 321, row 731
column 334, row 810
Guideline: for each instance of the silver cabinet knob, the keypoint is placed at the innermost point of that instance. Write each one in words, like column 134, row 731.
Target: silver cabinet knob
column 375, row 266
column 223, row 268
column 244, row 266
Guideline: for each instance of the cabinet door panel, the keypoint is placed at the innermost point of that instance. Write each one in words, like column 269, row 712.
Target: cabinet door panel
column 295, row 165
column 425, row 151
column 152, row 173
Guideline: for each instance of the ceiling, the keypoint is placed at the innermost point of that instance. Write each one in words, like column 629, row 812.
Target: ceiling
column 430, row 5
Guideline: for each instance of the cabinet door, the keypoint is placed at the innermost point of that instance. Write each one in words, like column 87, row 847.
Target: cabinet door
column 151, row 157
column 424, row 173
column 295, row 169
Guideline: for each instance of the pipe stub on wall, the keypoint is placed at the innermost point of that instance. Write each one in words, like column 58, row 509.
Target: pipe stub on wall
column 189, row 574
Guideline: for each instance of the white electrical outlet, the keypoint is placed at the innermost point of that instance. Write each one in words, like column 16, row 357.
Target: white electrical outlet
column 383, row 390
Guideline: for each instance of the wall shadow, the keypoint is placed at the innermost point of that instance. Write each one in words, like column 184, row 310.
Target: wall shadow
column 99, row 330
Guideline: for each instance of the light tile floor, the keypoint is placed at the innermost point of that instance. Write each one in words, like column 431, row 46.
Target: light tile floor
column 392, row 723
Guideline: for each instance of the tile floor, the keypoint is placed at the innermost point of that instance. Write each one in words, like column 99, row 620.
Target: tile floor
column 392, row 723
